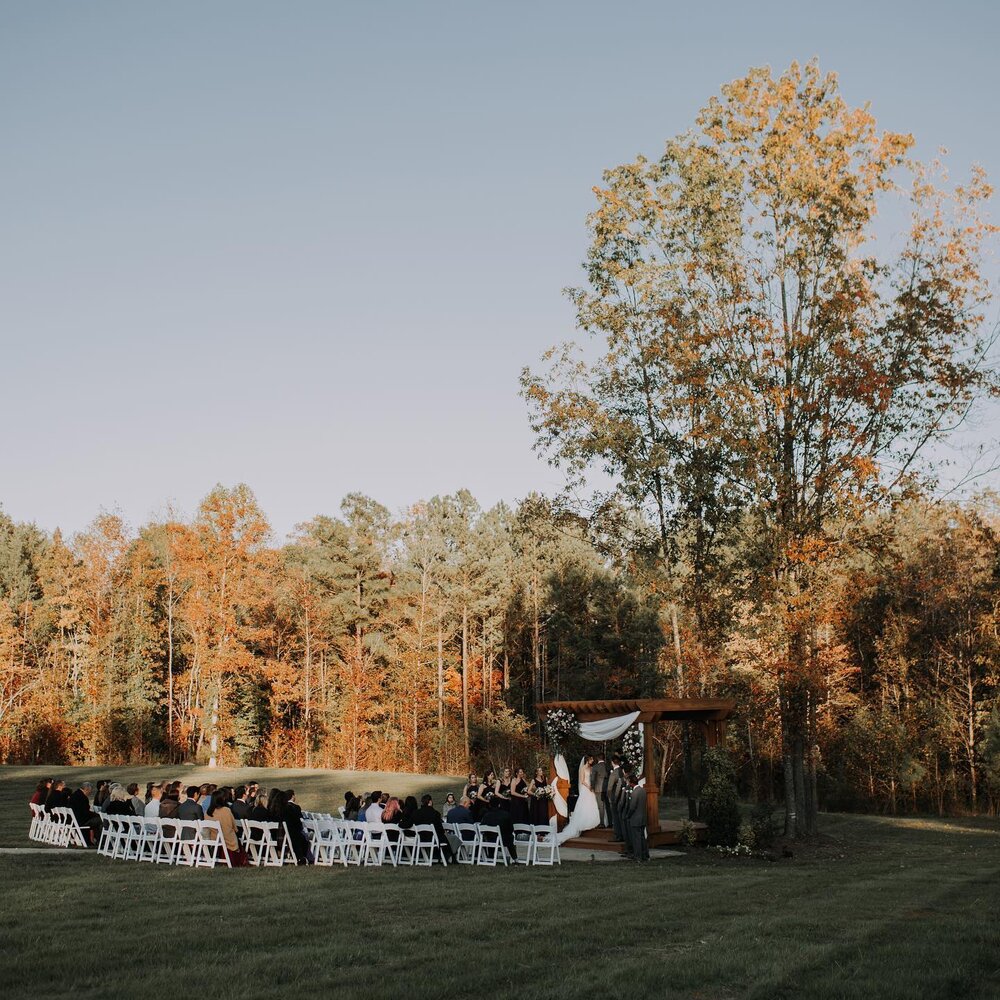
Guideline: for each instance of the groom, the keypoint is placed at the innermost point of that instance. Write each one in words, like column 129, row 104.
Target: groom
column 599, row 786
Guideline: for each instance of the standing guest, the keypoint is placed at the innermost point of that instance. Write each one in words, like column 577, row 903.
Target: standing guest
column 138, row 806
column 223, row 815
column 190, row 808
column 88, row 821
column 427, row 815
column 449, row 804
column 373, row 814
column 519, row 811
column 153, row 805
column 41, row 792
column 57, row 796
column 538, row 801
column 501, row 790
column 120, row 803
column 240, row 806
column 293, row 823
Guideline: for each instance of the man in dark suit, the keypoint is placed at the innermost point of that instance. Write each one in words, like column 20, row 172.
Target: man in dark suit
column 240, row 807
column 88, row 821
column 427, row 815
column 189, row 809
column 599, row 786
column 635, row 820
column 613, row 791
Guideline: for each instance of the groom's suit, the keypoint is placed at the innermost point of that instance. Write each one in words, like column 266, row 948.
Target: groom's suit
column 615, row 781
column 635, row 818
column 599, row 786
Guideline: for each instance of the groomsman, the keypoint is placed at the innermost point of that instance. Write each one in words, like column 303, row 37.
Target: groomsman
column 615, row 780
column 599, row 786
column 635, row 819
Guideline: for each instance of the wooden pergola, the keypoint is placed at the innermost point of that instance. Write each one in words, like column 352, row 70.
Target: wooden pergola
column 708, row 714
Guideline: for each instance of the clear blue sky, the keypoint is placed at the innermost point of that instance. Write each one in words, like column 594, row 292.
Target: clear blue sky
column 309, row 246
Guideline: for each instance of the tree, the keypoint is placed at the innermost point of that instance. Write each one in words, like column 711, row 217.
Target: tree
column 762, row 352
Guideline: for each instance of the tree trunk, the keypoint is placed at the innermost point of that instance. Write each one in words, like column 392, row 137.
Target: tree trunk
column 465, row 680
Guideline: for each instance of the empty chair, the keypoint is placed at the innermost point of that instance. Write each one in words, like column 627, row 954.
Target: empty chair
column 546, row 846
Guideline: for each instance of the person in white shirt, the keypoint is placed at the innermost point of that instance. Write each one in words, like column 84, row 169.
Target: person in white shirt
column 373, row 814
column 153, row 805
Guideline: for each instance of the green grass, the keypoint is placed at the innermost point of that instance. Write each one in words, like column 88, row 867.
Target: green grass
column 883, row 908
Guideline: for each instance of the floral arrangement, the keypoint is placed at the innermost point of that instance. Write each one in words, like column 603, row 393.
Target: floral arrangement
column 559, row 726
column 543, row 792
column 632, row 748
column 737, row 851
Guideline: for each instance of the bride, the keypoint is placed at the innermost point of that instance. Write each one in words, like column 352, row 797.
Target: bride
column 586, row 814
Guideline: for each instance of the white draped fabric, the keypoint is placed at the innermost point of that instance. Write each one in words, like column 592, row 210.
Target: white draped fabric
column 562, row 806
column 607, row 729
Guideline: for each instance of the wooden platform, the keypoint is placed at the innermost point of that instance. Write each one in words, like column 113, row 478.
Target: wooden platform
column 603, row 839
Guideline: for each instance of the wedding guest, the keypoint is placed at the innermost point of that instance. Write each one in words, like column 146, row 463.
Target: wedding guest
column 293, row 823
column 352, row 808
column 102, row 791
column 348, row 798
column 138, row 806
column 57, row 795
column 373, row 814
column 120, row 803
column 427, row 815
column 392, row 812
column 500, row 818
column 223, row 815
column 407, row 812
column 240, row 806
column 190, row 808
column 149, row 792
column 252, row 789
column 462, row 813
column 449, row 804
column 169, row 800
column 259, row 813
column 205, row 795
column 153, row 805
column 519, row 804
column 41, row 792
column 88, row 820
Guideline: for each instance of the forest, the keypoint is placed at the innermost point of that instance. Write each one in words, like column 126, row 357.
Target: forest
column 765, row 385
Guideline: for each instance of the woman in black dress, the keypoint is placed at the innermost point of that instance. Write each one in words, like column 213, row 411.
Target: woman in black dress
column 502, row 790
column 538, row 805
column 519, row 798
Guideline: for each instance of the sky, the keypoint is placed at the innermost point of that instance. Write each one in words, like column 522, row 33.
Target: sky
column 310, row 246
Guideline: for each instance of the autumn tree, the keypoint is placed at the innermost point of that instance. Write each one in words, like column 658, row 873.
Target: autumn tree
column 762, row 351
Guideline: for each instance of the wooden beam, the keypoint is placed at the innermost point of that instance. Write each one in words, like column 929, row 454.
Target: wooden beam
column 652, row 788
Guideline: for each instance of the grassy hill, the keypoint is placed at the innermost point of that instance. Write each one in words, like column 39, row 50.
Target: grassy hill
column 880, row 908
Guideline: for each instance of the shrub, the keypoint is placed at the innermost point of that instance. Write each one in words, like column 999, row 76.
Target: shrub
column 719, row 807
column 762, row 824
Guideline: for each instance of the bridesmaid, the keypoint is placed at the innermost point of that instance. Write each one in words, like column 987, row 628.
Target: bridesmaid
column 502, row 791
column 487, row 790
column 519, row 812
column 538, row 806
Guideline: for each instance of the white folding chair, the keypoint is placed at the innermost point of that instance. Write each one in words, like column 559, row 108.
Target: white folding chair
column 149, row 839
column 188, row 848
column 546, row 846
column 36, row 820
column 468, row 842
column 105, row 840
column 491, row 849
column 427, row 845
column 169, row 842
column 328, row 849
column 391, row 838
column 212, row 848
column 354, row 835
column 70, row 834
column 524, row 835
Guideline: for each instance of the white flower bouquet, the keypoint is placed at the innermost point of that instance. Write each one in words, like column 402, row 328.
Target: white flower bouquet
column 559, row 726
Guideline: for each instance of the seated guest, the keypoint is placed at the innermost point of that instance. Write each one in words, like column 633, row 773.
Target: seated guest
column 152, row 809
column 57, row 796
column 205, row 795
column 259, row 813
column 292, row 818
column 373, row 814
column 449, row 804
column 88, row 821
column 408, row 811
column 393, row 811
column 222, row 814
column 41, row 792
column 149, row 791
column 102, row 792
column 170, row 800
column 500, row 818
column 190, row 808
column 240, row 806
column 120, row 803
column 427, row 815
column 352, row 808
column 252, row 791
column 462, row 813
column 138, row 806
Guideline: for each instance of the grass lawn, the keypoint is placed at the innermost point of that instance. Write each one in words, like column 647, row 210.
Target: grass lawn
column 883, row 908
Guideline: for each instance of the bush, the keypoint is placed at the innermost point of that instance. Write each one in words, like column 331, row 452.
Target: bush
column 762, row 824
column 719, row 806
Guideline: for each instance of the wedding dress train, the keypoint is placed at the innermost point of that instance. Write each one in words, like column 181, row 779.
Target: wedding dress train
column 586, row 813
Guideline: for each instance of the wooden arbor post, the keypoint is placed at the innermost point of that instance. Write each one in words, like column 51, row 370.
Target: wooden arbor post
column 649, row 773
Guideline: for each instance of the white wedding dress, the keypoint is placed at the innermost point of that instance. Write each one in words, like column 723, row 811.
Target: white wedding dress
column 586, row 814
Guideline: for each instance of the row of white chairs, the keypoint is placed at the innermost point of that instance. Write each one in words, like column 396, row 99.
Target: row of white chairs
column 346, row 842
column 196, row 843
column 58, row 827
